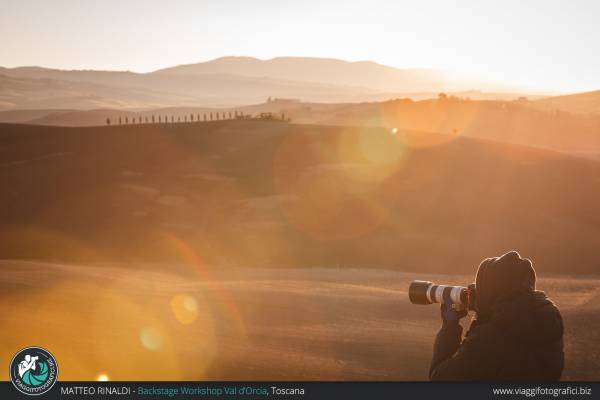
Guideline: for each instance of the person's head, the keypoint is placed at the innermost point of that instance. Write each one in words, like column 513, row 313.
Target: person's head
column 27, row 357
column 500, row 277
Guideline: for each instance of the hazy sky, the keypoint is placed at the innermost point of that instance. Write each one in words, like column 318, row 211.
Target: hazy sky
column 539, row 44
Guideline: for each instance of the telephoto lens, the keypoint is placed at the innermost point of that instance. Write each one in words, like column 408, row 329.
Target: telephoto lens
column 425, row 292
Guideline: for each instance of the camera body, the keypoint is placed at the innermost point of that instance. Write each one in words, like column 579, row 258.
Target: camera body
column 426, row 292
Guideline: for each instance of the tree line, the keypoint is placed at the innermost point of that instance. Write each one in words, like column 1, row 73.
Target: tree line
column 210, row 116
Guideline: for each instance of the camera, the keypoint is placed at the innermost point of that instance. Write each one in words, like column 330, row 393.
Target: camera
column 425, row 292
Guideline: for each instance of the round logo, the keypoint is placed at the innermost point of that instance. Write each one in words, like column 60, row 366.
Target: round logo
column 33, row 371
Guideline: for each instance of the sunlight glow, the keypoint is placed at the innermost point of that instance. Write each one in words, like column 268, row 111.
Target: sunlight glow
column 102, row 378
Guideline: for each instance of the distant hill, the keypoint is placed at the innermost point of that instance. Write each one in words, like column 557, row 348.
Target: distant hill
column 581, row 103
column 518, row 122
column 509, row 122
column 85, row 90
column 228, row 82
column 27, row 116
column 271, row 194
column 51, row 93
column 365, row 74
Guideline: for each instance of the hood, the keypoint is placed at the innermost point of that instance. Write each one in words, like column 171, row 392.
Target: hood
column 502, row 277
column 529, row 317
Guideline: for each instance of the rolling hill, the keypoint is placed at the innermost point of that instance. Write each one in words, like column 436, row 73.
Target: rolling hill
column 580, row 103
column 272, row 194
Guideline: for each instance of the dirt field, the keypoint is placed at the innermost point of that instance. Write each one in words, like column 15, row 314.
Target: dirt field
column 177, row 322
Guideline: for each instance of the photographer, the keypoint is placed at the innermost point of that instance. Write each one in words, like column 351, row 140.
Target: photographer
column 517, row 333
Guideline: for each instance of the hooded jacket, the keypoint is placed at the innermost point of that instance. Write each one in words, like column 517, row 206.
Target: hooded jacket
column 517, row 335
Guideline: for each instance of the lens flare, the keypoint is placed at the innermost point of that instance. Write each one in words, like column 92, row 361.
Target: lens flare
column 151, row 338
column 185, row 308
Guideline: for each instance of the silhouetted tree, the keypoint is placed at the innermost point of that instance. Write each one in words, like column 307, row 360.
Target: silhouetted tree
column 229, row 114
column 442, row 96
column 152, row 118
column 185, row 118
column 211, row 116
column 282, row 116
column 172, row 118
column 146, row 119
column 126, row 120
column 140, row 119
column 198, row 117
column 159, row 119
column 178, row 119
column 107, row 121
column 205, row 116
column 269, row 99
column 192, row 117
column 120, row 122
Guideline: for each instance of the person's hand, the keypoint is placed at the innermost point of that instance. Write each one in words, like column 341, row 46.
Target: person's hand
column 449, row 313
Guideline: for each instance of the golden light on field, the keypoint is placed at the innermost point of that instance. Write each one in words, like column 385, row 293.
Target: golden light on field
column 369, row 154
column 124, row 324
column 186, row 306
column 335, row 180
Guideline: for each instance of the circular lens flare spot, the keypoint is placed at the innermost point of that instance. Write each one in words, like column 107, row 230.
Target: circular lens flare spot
column 185, row 308
column 102, row 378
column 151, row 338
column 394, row 131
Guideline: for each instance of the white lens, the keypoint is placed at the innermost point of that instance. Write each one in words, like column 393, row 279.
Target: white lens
column 455, row 294
column 428, row 293
column 439, row 293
